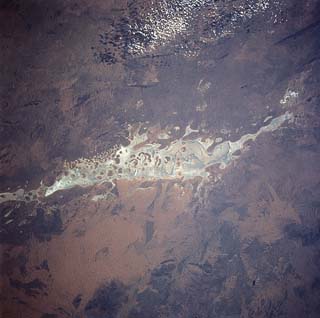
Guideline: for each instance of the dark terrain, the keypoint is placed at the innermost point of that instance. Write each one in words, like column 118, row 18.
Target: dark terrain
column 76, row 75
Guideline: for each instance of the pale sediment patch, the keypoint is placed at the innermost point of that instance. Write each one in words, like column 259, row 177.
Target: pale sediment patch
column 289, row 98
column 21, row 195
column 140, row 160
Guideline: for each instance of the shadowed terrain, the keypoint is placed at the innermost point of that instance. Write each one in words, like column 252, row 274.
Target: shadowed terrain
column 159, row 159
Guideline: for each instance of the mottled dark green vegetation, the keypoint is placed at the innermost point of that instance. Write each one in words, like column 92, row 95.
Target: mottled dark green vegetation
column 77, row 301
column 106, row 301
column 307, row 235
column 200, row 298
column 43, row 266
column 207, row 293
column 47, row 315
column 149, row 229
column 9, row 264
column 116, row 209
column 28, row 220
column 292, row 261
column 32, row 288
column 154, row 297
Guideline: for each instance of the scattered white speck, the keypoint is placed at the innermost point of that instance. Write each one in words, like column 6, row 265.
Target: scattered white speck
column 267, row 118
column 202, row 107
column 203, row 86
column 166, row 20
column 8, row 214
column 289, row 98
